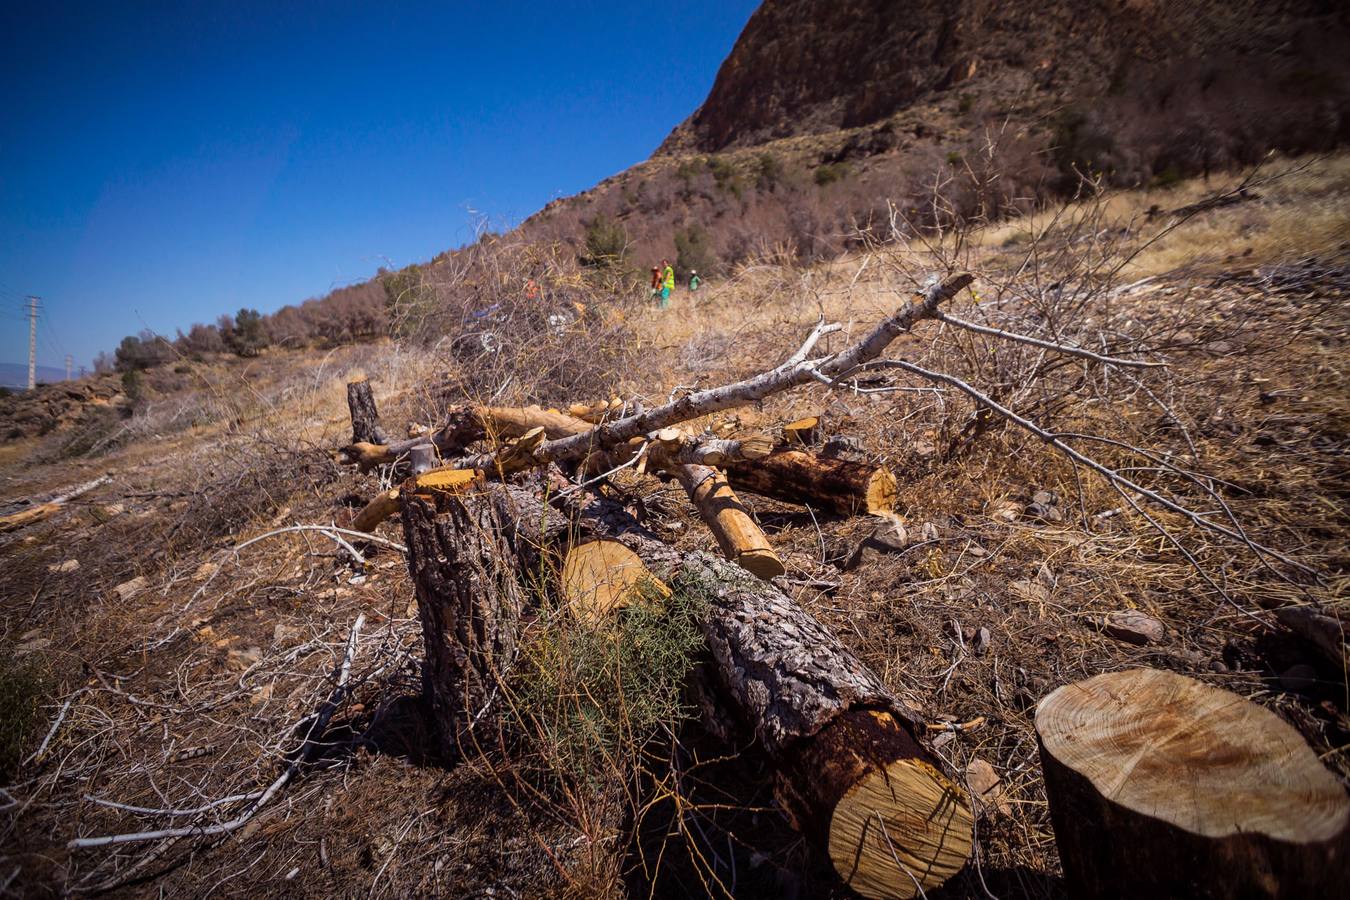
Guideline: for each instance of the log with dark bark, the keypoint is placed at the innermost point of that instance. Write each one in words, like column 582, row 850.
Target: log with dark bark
column 854, row 774
column 469, row 601
column 365, row 418
column 837, row 485
column 1162, row 786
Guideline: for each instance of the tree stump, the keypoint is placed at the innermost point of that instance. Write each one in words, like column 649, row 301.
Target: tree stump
column 1162, row 786
column 365, row 418
column 469, row 600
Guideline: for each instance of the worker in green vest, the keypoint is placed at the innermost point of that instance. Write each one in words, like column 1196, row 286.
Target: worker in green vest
column 694, row 281
column 667, row 283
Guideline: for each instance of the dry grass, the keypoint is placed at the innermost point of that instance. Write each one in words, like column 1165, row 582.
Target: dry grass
column 195, row 688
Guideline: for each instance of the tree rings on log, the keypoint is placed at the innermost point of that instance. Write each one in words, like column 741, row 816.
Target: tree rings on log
column 894, row 825
column 1160, row 785
column 602, row 576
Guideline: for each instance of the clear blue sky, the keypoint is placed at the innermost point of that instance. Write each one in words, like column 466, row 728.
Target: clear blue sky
column 162, row 163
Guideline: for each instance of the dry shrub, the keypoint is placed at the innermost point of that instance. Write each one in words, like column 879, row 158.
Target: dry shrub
column 565, row 337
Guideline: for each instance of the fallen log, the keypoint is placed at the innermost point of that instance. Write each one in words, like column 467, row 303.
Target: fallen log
column 384, row 505
column 738, row 535
column 365, row 417
column 1162, row 786
column 853, row 772
column 31, row 515
column 806, row 479
column 466, row 425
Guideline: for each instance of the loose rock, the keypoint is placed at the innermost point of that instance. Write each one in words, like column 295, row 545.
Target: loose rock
column 1134, row 627
column 128, row 589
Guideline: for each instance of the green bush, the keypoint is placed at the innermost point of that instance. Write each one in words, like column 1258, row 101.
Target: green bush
column 829, row 173
column 133, row 385
column 768, row 171
column 726, row 177
column 693, row 252
column 606, row 243
column 593, row 692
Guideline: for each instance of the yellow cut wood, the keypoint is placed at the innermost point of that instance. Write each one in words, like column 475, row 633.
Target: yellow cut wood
column 447, row 480
column 602, row 576
column 384, row 505
column 740, row 537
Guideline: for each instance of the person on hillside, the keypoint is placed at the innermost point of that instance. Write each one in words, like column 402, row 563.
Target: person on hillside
column 694, row 281
column 667, row 283
column 656, row 282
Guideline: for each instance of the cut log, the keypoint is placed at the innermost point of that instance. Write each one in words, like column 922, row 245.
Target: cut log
column 466, row 425
column 853, row 771
column 28, row 516
column 365, row 417
column 1162, row 786
column 803, row 432
column 385, row 504
column 31, row 515
column 469, row 601
column 599, row 577
column 838, row 485
column 740, row 537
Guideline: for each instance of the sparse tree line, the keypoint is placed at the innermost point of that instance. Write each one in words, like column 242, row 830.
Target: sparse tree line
column 346, row 315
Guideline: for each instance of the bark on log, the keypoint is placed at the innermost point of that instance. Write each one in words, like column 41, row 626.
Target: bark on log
column 853, row 772
column 469, row 600
column 737, row 533
column 1162, row 786
column 838, row 485
column 365, row 417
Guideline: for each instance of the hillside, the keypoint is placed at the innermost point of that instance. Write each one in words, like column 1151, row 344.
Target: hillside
column 826, row 115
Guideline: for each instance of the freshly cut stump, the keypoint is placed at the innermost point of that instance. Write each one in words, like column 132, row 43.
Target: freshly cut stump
column 1161, row 786
column 602, row 576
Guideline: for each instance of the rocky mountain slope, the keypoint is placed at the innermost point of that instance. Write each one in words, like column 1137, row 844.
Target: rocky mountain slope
column 826, row 113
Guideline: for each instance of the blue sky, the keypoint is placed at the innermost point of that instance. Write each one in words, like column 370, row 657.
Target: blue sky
column 162, row 163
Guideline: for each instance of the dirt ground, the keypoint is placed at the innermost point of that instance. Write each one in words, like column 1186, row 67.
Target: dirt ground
column 158, row 673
